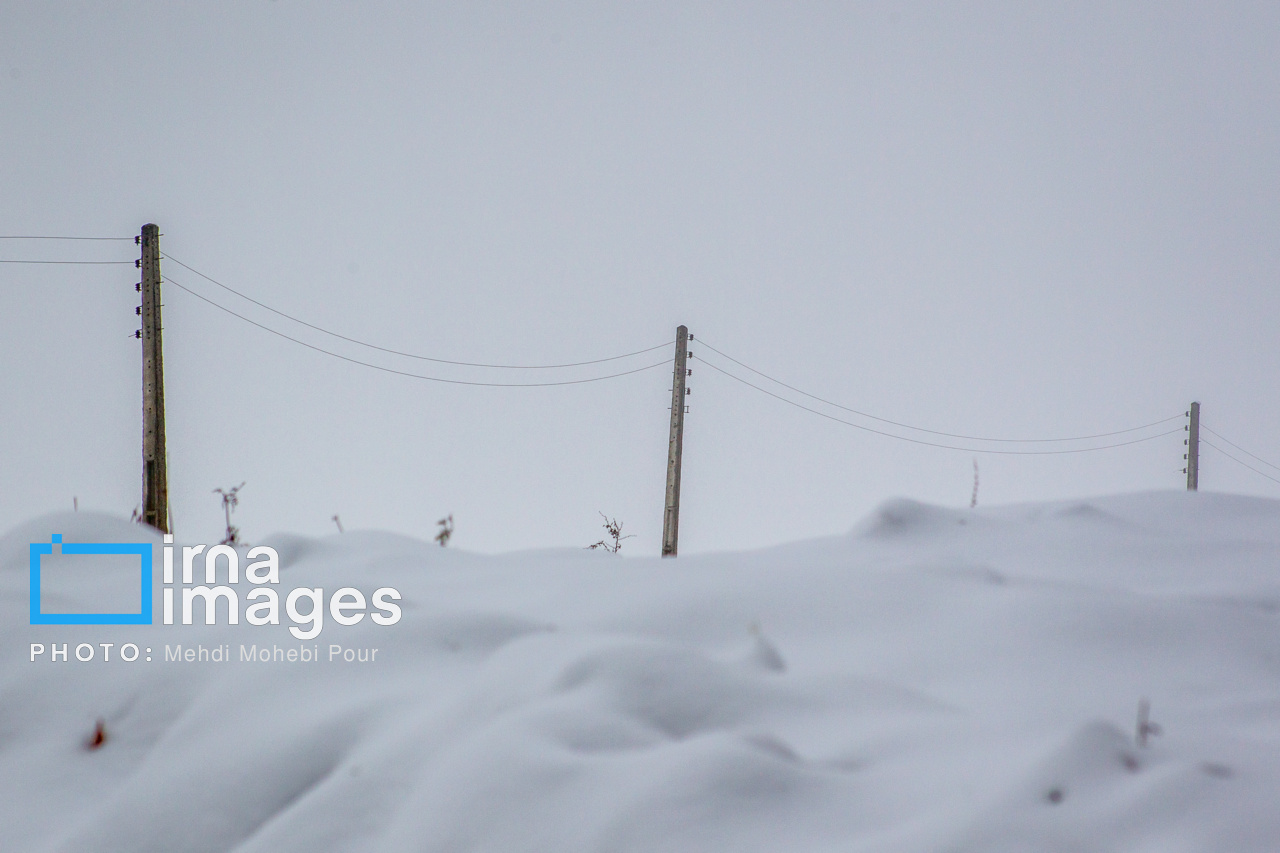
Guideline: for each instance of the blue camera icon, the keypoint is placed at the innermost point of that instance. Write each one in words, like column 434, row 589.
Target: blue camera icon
column 142, row 549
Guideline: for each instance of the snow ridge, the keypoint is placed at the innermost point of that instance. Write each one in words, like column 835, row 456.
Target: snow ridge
column 938, row 679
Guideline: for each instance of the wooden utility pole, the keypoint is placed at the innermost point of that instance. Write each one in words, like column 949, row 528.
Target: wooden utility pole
column 1193, row 449
column 155, row 468
column 671, row 515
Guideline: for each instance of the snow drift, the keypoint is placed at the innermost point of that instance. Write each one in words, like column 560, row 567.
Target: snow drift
column 935, row 680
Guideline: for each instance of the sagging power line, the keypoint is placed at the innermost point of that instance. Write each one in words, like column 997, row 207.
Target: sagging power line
column 1238, row 447
column 47, row 237
column 923, row 429
column 72, row 263
column 926, row 443
column 390, row 351
column 406, row 373
column 155, row 456
column 1236, row 459
column 1207, row 443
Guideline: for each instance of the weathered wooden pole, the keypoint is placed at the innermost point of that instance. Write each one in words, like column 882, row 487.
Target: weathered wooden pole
column 671, row 515
column 1193, row 449
column 155, row 469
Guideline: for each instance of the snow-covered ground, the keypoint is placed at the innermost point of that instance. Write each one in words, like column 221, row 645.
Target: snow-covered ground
column 936, row 680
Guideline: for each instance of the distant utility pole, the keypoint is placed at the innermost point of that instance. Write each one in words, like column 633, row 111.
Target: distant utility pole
column 1193, row 449
column 671, row 516
column 155, row 469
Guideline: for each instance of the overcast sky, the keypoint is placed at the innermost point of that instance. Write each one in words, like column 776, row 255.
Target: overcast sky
column 985, row 219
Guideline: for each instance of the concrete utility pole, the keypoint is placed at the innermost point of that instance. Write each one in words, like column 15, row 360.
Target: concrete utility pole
column 671, row 516
column 155, row 468
column 1193, row 449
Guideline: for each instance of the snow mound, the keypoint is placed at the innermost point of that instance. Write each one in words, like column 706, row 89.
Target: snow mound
column 1100, row 792
column 939, row 680
column 903, row 518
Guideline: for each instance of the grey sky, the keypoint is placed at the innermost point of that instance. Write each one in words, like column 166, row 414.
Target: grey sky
column 986, row 219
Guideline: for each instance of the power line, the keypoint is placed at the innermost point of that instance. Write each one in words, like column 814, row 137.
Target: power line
column 932, row 443
column 66, row 262
column 409, row 354
column 6, row 237
column 1238, row 461
column 406, row 373
column 1237, row 447
column 933, row 431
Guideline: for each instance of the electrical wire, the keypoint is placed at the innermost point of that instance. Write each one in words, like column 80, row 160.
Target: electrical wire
column 1236, row 446
column 100, row 263
column 409, row 354
column 702, row 342
column 406, row 373
column 1237, row 461
column 933, row 443
column 63, row 238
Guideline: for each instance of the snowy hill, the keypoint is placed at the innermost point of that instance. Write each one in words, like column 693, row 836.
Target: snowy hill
column 936, row 680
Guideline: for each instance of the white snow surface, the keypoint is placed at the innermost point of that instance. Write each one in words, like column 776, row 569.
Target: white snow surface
column 935, row 680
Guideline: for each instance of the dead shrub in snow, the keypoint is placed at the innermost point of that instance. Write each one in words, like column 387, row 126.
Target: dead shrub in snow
column 446, row 530
column 614, row 528
column 230, row 500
